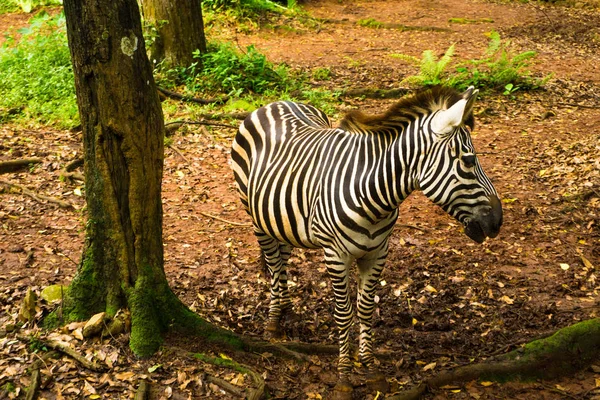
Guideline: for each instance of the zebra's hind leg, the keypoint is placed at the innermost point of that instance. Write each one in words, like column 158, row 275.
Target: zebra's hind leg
column 337, row 269
column 369, row 272
column 275, row 259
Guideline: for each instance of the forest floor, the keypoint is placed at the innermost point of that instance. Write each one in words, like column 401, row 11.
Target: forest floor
column 444, row 301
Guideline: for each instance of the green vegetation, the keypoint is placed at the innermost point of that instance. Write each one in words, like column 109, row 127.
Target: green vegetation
column 370, row 23
column 321, row 74
column 248, row 8
column 25, row 5
column 227, row 70
column 470, row 20
column 499, row 69
column 37, row 78
column 431, row 70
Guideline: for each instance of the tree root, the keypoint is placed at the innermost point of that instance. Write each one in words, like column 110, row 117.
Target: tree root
column 17, row 165
column 67, row 172
column 38, row 197
column 251, row 394
column 568, row 350
column 34, row 387
column 143, row 390
column 65, row 349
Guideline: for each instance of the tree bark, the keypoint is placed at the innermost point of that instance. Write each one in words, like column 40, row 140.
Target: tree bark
column 123, row 133
column 177, row 29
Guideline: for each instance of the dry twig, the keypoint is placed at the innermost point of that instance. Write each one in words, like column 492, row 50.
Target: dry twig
column 240, row 224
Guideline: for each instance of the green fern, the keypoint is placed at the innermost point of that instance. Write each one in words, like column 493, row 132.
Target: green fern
column 431, row 69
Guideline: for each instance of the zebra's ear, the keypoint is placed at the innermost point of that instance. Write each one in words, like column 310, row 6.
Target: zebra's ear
column 470, row 95
column 445, row 121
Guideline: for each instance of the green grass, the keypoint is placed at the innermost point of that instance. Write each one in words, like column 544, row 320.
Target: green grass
column 37, row 78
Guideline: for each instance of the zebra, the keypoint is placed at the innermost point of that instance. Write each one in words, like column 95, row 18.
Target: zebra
column 308, row 184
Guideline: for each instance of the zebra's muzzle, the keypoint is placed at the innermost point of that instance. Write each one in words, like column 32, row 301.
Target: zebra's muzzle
column 486, row 221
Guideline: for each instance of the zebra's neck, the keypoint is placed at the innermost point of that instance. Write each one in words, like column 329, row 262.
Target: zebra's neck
column 385, row 171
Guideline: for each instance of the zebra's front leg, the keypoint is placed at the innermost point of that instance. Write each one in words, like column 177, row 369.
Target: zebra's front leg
column 274, row 260
column 337, row 269
column 369, row 272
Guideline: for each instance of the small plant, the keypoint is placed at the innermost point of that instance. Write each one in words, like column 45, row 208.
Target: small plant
column 37, row 78
column 321, row 74
column 432, row 71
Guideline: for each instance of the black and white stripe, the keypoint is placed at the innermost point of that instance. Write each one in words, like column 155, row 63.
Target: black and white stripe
column 307, row 184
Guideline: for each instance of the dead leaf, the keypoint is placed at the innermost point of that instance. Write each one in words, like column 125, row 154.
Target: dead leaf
column 429, row 366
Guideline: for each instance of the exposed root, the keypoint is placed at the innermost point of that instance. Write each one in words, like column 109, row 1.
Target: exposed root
column 223, row 384
column 17, row 165
column 568, row 350
column 68, row 171
column 65, row 349
column 34, row 387
column 143, row 390
column 38, row 197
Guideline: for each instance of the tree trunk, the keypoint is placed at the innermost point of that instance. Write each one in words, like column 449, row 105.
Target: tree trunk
column 123, row 133
column 177, row 30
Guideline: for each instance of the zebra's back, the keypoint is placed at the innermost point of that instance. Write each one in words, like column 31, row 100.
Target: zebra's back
column 278, row 163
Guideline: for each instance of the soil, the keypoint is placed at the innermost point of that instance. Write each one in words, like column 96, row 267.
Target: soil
column 444, row 301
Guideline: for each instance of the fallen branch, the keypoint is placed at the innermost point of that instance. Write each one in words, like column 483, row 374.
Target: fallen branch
column 569, row 349
column 38, row 197
column 177, row 96
column 17, row 165
column 224, row 220
column 412, row 227
column 176, row 150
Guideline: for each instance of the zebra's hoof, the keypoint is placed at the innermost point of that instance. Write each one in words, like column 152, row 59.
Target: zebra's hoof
column 343, row 390
column 376, row 382
column 273, row 330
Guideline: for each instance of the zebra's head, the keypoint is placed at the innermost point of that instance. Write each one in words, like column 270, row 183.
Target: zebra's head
column 452, row 176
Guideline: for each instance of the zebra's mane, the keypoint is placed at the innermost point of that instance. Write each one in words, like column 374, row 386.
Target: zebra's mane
column 406, row 110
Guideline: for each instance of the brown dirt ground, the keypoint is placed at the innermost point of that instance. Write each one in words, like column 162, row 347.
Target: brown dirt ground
column 442, row 300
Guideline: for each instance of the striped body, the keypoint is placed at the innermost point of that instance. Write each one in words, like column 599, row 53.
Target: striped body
column 306, row 184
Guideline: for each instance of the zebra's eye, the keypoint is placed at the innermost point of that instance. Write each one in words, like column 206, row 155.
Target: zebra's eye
column 468, row 160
